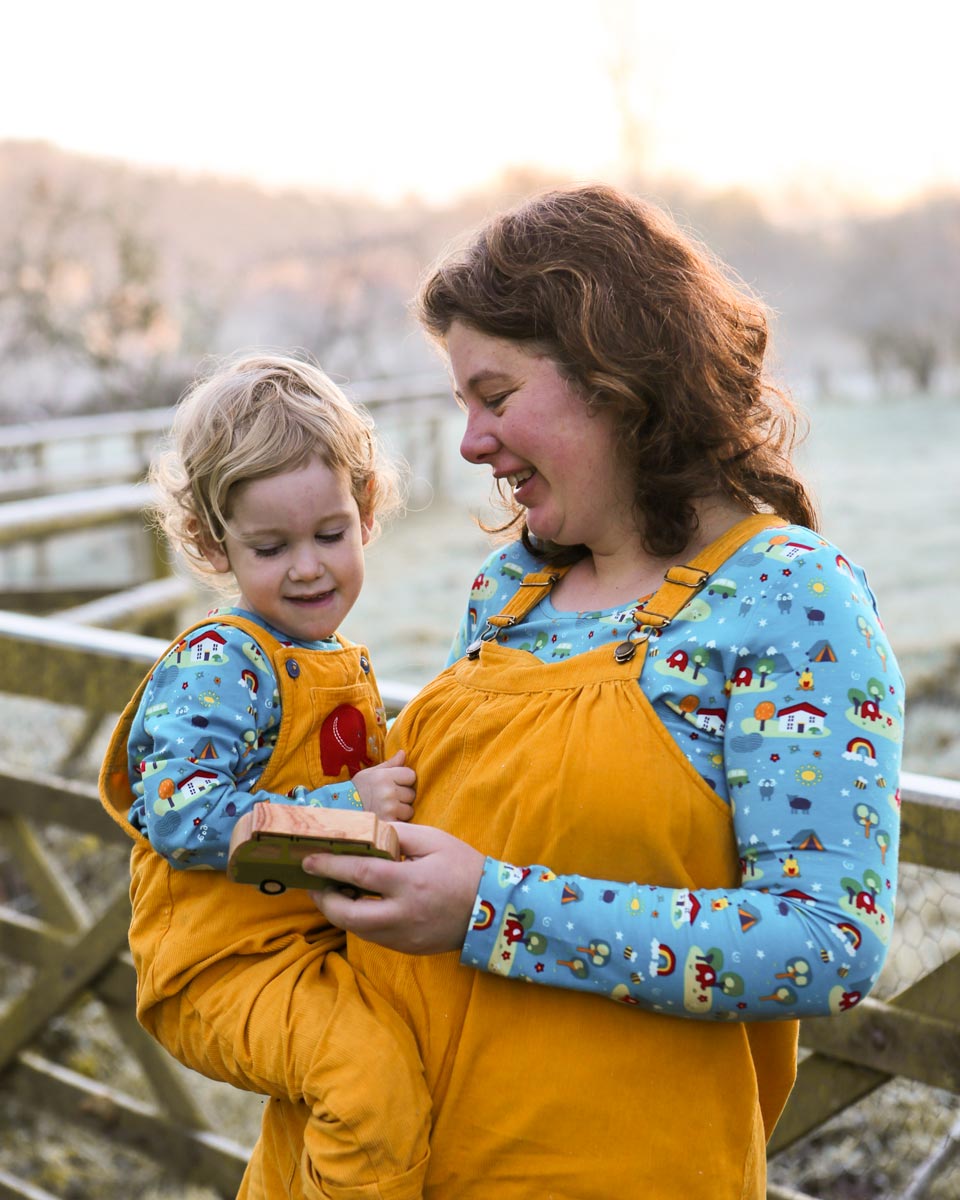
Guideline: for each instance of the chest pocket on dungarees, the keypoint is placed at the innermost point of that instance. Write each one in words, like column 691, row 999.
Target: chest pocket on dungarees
column 349, row 732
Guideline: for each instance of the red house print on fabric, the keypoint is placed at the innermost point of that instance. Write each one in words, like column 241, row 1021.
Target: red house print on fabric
column 800, row 718
column 206, row 645
column 198, row 782
column 792, row 549
column 711, row 720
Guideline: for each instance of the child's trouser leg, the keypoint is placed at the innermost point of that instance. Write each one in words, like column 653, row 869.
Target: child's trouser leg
column 273, row 1170
column 298, row 1024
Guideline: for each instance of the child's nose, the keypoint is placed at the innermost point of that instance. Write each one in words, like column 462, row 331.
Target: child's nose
column 306, row 563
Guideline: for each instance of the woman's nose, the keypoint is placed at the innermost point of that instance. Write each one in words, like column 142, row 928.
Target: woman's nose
column 478, row 441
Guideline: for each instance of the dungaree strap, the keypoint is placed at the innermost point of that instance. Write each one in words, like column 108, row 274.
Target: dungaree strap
column 532, row 589
column 681, row 583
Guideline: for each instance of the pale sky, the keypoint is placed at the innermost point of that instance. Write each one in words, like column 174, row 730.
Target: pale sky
column 825, row 98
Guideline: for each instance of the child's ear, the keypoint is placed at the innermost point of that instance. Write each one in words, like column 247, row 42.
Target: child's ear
column 213, row 552
column 368, row 517
column 367, row 520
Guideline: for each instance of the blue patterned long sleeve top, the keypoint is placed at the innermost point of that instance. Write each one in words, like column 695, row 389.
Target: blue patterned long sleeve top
column 778, row 683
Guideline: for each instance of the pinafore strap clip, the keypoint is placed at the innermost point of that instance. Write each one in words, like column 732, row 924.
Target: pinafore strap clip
column 531, row 591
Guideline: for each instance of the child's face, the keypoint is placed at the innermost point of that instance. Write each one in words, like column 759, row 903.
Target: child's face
column 295, row 547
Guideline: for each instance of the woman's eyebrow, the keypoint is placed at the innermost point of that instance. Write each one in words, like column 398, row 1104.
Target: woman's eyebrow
column 484, row 376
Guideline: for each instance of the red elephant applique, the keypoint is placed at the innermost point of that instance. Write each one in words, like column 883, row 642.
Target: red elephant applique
column 343, row 742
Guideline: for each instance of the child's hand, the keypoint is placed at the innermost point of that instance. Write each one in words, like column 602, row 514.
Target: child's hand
column 387, row 789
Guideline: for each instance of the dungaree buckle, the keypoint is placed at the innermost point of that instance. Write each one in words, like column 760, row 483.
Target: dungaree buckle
column 539, row 581
column 491, row 631
column 506, row 620
column 688, row 577
column 626, row 650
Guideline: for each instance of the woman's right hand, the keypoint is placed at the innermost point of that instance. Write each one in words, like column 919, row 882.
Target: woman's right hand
column 422, row 904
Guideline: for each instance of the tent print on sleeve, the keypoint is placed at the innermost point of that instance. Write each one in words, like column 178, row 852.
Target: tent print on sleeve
column 822, row 652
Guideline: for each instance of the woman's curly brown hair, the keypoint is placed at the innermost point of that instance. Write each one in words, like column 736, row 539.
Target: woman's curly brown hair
column 646, row 323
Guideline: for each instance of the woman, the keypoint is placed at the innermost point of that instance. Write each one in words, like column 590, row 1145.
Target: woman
column 662, row 769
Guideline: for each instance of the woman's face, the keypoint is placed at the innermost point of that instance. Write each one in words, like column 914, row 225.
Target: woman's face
column 531, row 427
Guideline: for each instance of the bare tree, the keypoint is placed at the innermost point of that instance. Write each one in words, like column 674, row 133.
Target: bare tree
column 78, row 288
column 899, row 290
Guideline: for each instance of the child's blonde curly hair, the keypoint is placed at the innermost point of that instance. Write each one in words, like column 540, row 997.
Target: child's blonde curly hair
column 256, row 416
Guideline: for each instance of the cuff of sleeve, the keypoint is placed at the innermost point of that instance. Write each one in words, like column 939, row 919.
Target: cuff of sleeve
column 335, row 795
column 492, row 895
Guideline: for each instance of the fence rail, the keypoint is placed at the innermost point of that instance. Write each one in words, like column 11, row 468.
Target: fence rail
column 38, row 458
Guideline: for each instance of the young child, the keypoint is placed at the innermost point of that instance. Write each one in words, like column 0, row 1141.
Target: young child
column 274, row 485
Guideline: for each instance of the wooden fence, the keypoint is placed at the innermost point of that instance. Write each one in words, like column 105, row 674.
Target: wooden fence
column 76, row 944
column 66, row 932
column 38, row 458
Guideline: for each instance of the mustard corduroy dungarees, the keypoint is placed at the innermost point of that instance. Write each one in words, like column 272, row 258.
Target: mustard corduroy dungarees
column 241, row 986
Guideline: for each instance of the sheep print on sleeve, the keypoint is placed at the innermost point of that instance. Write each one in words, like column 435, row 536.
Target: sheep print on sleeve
column 779, row 685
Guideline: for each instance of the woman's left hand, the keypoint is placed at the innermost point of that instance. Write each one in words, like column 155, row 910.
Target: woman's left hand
column 422, row 904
